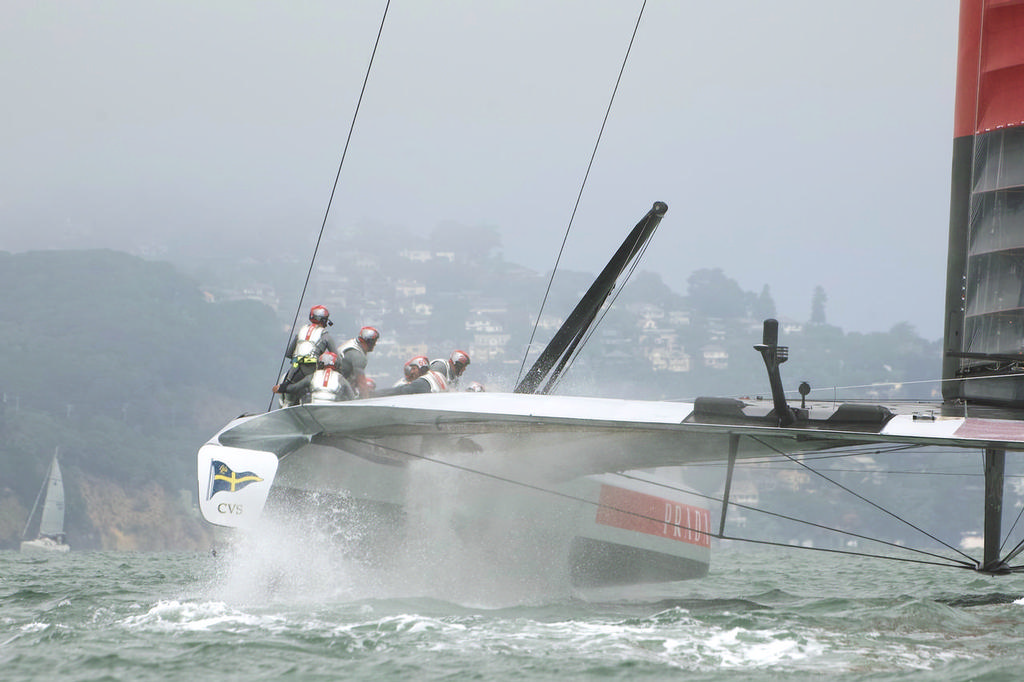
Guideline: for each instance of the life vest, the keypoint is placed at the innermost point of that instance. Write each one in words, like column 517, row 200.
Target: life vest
column 441, row 367
column 438, row 384
column 308, row 347
column 357, row 362
column 444, row 369
column 327, row 386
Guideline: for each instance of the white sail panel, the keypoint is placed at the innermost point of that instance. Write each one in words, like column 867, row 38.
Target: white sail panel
column 52, row 521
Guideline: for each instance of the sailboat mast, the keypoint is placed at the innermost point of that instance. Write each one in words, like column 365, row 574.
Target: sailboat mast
column 984, row 328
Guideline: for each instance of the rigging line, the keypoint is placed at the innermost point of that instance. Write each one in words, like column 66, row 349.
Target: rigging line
column 819, row 458
column 1006, row 539
column 878, row 385
column 838, row 455
column 579, row 195
column 1009, row 556
column 949, row 563
column 35, row 505
column 1020, row 545
column 541, row 489
column 838, row 531
column 885, row 472
column 962, row 474
column 910, row 383
column 530, row 486
column 862, row 498
column 745, row 395
column 766, row 466
column 334, row 188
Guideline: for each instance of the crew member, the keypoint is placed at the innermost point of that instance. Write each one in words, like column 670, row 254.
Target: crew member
column 429, row 382
column 353, row 358
column 416, row 367
column 452, row 368
column 475, row 387
column 325, row 385
column 309, row 343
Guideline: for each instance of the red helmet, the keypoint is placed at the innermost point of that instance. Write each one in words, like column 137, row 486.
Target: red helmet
column 460, row 361
column 416, row 367
column 368, row 336
column 319, row 314
column 475, row 387
column 327, row 359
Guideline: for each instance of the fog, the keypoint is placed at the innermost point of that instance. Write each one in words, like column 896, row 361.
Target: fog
column 797, row 143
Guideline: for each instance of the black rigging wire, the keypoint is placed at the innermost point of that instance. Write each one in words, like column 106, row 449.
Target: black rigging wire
column 838, row 454
column 862, row 498
column 948, row 562
column 334, row 188
column 579, row 195
column 766, row 462
column 1018, row 547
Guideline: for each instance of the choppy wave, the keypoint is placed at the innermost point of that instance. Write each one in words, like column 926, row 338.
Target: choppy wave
column 255, row 615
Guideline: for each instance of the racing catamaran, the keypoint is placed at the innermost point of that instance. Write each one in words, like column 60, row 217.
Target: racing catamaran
column 586, row 477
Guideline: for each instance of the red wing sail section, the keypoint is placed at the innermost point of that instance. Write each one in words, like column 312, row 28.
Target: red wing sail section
column 985, row 273
column 990, row 66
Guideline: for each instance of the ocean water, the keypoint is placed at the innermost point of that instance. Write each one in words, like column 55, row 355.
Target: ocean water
column 270, row 610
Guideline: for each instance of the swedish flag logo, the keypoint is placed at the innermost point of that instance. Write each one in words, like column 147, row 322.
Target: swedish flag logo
column 226, row 479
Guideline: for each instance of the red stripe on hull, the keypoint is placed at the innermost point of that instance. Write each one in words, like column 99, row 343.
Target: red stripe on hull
column 630, row 510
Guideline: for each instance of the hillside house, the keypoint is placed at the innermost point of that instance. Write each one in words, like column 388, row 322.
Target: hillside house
column 715, row 357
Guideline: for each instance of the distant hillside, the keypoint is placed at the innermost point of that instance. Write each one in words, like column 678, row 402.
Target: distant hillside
column 122, row 364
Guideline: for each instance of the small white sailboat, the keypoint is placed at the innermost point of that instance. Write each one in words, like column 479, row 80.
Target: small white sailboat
column 50, row 537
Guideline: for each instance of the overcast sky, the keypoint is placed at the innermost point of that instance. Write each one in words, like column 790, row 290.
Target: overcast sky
column 796, row 142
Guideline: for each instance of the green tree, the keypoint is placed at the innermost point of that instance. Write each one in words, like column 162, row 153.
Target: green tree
column 764, row 306
column 818, row 305
column 712, row 294
column 648, row 287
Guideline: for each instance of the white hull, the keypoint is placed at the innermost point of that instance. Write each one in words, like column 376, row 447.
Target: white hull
column 548, row 470
column 593, row 530
column 44, row 546
column 551, row 470
column 490, row 491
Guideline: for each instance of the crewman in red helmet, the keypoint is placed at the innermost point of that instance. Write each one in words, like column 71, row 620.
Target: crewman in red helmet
column 353, row 358
column 452, row 368
column 311, row 341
